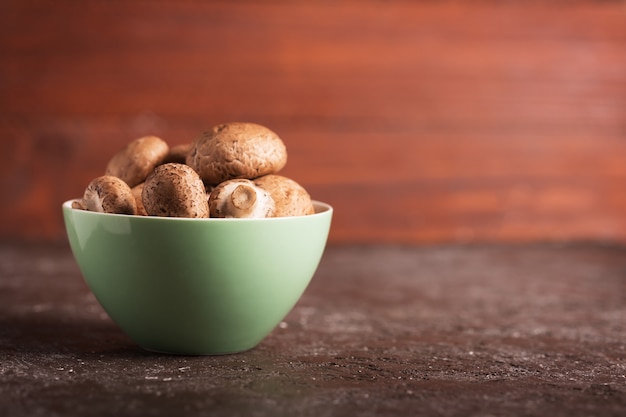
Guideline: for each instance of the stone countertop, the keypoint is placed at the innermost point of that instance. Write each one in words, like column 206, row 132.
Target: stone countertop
column 381, row 331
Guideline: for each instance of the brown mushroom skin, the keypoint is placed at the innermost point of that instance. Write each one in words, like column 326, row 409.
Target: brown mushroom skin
column 109, row 194
column 78, row 204
column 236, row 151
column 240, row 198
column 178, row 154
column 175, row 190
column 290, row 198
column 133, row 163
column 137, row 190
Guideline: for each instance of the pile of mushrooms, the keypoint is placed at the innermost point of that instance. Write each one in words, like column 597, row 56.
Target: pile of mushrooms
column 227, row 171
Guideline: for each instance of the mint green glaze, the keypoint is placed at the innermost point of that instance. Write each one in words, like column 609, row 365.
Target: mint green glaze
column 197, row 286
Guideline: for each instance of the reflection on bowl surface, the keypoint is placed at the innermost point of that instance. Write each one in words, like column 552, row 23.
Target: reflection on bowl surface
column 197, row 286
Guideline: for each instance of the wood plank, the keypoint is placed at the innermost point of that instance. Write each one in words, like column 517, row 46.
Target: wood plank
column 418, row 122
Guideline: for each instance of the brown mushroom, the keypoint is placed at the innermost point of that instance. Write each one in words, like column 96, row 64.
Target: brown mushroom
column 290, row 198
column 240, row 198
column 108, row 194
column 78, row 204
column 236, row 150
column 137, row 191
column 175, row 190
column 178, row 154
column 133, row 163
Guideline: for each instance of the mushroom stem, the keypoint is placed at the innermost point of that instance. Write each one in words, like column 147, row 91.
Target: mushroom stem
column 239, row 198
column 243, row 197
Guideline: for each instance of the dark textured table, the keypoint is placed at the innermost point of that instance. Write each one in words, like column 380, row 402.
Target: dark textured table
column 382, row 330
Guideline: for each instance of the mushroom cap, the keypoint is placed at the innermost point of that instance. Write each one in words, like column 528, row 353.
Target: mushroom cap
column 109, row 194
column 178, row 153
column 78, row 204
column 240, row 198
column 175, row 190
column 290, row 198
column 133, row 163
column 137, row 190
column 236, row 150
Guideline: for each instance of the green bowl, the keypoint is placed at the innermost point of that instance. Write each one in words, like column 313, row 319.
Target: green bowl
column 197, row 286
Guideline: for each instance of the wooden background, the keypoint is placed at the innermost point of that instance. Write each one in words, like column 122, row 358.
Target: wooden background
column 420, row 122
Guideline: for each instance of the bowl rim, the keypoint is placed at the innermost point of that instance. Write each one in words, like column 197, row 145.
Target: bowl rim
column 321, row 209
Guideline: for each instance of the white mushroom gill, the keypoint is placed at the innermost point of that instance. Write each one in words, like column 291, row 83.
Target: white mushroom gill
column 94, row 202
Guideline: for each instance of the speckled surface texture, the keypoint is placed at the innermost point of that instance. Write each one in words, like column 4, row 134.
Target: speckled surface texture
column 526, row 330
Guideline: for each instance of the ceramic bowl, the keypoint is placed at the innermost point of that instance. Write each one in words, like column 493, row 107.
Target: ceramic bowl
column 197, row 286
